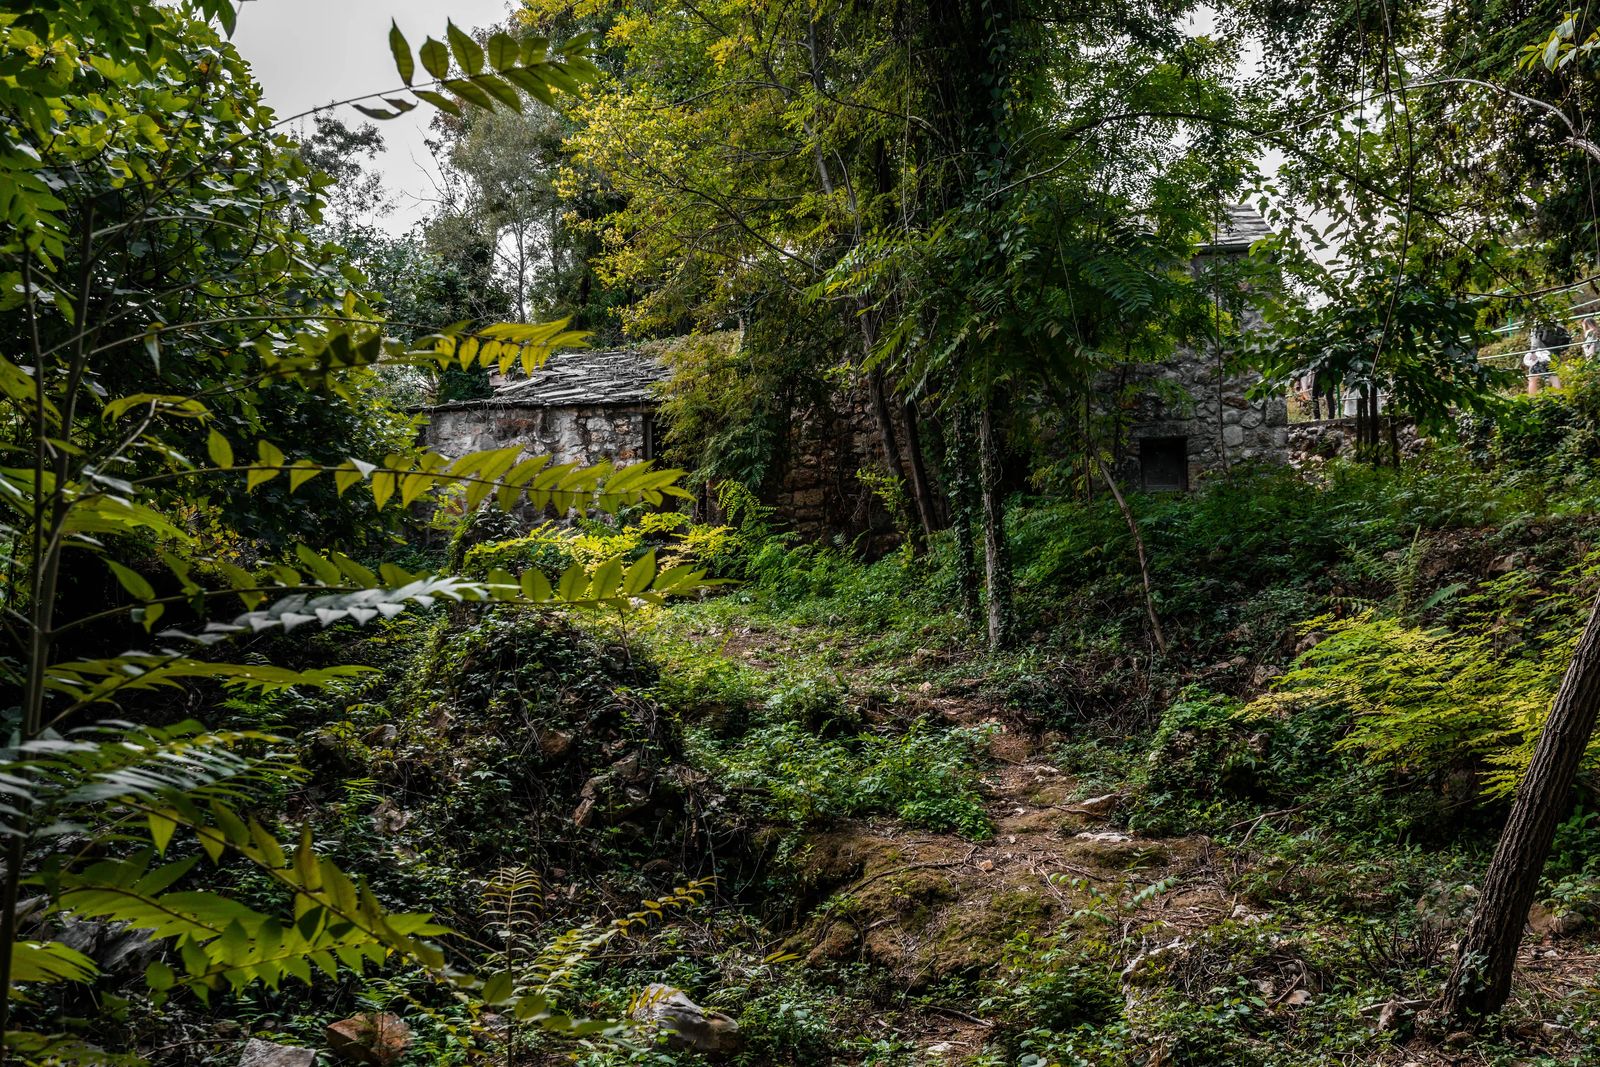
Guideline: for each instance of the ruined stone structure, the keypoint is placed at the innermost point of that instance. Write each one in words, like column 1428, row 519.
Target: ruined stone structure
column 588, row 406
column 819, row 493
column 1191, row 417
column 1194, row 416
column 583, row 406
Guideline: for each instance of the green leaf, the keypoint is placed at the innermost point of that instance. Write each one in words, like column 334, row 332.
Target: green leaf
column 500, row 91
column 574, row 583
column 159, row 976
column 162, row 827
column 326, row 572
column 498, row 989
column 640, row 575
column 435, row 58
column 268, row 468
column 48, row 961
column 469, row 90
column 504, row 51
column 132, row 581
column 401, row 49
column 440, row 101
column 466, row 50
column 220, row 451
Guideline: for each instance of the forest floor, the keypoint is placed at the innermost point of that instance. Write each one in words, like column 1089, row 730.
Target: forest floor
column 935, row 909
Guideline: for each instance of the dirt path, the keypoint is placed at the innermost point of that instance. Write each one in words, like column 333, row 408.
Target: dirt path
column 930, row 907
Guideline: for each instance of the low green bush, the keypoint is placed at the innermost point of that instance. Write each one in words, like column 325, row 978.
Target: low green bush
column 925, row 776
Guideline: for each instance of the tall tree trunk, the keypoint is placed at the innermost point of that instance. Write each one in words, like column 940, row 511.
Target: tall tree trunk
column 959, row 444
column 878, row 395
column 996, row 551
column 1487, row 955
column 921, row 486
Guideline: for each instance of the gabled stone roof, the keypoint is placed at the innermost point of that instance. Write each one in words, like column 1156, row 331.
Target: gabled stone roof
column 1241, row 226
column 587, row 377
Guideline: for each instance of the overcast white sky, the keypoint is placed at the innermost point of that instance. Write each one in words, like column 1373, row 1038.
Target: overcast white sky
column 309, row 52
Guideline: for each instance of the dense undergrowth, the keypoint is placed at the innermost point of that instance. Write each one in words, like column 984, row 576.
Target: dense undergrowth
column 1361, row 661
column 1358, row 661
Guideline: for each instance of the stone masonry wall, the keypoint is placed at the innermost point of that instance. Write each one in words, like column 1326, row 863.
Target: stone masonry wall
column 818, row 493
column 1190, row 396
column 587, row 434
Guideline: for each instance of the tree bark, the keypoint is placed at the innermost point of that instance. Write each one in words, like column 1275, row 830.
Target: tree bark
column 1487, row 954
column 921, row 486
column 996, row 551
column 879, row 398
column 963, row 506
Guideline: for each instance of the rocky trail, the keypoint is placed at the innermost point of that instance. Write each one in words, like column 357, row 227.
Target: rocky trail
column 933, row 909
column 930, row 907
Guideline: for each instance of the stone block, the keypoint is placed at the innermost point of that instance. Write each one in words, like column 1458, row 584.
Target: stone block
column 259, row 1053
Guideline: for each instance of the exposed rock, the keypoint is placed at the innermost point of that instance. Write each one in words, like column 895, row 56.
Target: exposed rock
column 614, row 794
column 685, row 1024
column 1309, row 641
column 1097, row 807
column 1393, row 1015
column 259, row 1053
column 386, row 734
column 553, row 744
column 1506, row 564
column 1153, row 960
column 1263, row 674
column 389, row 818
column 376, row 1038
column 1547, row 923
column 114, row 947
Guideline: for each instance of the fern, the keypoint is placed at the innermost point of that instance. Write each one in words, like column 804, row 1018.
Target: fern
column 514, row 898
column 64, row 783
column 220, row 942
column 1427, row 701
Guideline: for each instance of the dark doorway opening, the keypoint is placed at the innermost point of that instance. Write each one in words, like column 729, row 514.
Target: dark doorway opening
column 1164, row 464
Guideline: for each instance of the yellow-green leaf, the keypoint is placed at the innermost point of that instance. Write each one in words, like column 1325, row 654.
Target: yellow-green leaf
column 132, row 580
column 220, row 451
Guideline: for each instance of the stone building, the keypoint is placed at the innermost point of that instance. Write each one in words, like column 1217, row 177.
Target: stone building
column 1189, row 415
column 592, row 405
column 582, row 406
column 1193, row 415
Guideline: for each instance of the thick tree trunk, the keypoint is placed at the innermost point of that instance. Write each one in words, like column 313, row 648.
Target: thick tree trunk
column 921, row 486
column 959, row 445
column 1487, row 954
column 996, row 551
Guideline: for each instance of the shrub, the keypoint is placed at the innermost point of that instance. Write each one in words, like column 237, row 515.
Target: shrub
column 553, row 547
column 1428, row 702
column 924, row 776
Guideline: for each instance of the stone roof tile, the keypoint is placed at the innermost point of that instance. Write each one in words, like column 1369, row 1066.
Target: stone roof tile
column 1242, row 227
column 586, row 377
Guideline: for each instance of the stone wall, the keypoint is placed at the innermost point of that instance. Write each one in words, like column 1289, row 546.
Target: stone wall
column 817, row 492
column 587, row 434
column 1191, row 397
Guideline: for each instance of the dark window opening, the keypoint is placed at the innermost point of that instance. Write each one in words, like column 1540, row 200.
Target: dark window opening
column 651, row 434
column 1164, row 463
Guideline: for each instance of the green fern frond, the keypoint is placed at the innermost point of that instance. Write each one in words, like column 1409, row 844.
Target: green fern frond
column 66, row 781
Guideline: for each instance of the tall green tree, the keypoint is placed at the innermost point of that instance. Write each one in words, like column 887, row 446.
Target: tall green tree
column 165, row 316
